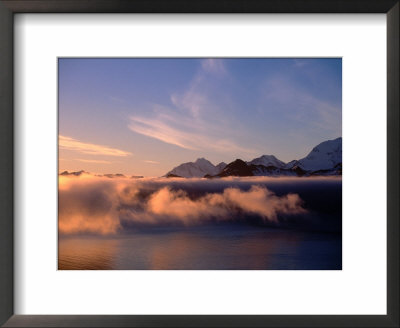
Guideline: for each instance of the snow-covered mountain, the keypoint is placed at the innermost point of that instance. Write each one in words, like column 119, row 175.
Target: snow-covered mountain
column 267, row 160
column 324, row 159
column 290, row 164
column 325, row 156
column 221, row 166
column 197, row 169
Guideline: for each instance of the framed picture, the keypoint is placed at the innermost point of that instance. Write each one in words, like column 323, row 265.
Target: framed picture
column 182, row 164
column 225, row 205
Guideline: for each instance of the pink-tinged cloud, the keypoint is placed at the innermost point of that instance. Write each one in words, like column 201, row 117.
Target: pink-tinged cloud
column 157, row 129
column 69, row 143
column 93, row 161
column 178, row 133
column 90, row 204
column 223, row 206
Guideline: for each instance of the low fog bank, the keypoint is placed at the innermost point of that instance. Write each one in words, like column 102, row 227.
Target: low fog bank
column 103, row 205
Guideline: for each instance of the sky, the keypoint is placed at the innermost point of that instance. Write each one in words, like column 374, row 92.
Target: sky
column 145, row 116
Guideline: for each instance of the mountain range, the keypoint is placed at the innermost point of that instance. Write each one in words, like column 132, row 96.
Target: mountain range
column 324, row 159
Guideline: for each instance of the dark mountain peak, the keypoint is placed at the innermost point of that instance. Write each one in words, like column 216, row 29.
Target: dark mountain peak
column 137, row 177
column 77, row 173
column 171, row 175
column 113, row 175
column 237, row 168
column 238, row 161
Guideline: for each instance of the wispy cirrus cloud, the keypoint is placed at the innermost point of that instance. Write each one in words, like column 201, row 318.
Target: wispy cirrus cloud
column 92, row 161
column 160, row 130
column 69, row 143
column 151, row 162
column 299, row 105
column 196, row 99
column 213, row 65
column 184, row 136
column 191, row 101
column 299, row 62
column 195, row 119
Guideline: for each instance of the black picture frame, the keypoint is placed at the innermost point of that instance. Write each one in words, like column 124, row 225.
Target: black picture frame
column 10, row 7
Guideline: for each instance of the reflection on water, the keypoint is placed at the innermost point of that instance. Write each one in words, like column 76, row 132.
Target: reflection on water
column 86, row 254
column 204, row 248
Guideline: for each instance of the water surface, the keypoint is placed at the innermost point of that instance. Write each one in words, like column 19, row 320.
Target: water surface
column 210, row 248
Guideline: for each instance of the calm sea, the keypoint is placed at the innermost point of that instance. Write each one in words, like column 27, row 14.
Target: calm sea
column 210, row 248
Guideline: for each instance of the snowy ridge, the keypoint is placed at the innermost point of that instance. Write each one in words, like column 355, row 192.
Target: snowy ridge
column 197, row 169
column 221, row 166
column 325, row 156
column 324, row 159
column 268, row 160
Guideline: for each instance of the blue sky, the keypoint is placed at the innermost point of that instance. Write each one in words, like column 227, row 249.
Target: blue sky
column 145, row 116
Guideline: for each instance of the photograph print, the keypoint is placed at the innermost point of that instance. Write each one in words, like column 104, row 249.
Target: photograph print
column 200, row 164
